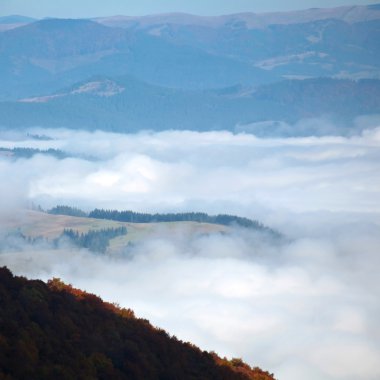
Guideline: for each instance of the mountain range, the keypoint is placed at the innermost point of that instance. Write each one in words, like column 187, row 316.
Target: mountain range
column 127, row 105
column 179, row 71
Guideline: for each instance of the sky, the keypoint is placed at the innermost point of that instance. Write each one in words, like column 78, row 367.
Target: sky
column 90, row 8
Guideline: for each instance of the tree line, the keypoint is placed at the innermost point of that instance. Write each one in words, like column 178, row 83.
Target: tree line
column 94, row 240
column 30, row 152
column 67, row 210
column 139, row 217
column 200, row 217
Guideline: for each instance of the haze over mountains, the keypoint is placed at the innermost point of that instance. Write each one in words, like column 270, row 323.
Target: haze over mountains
column 128, row 73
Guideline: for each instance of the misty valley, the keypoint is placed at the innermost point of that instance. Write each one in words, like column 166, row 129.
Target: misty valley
column 189, row 197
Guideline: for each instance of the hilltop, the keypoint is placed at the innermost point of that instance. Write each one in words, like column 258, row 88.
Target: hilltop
column 112, row 232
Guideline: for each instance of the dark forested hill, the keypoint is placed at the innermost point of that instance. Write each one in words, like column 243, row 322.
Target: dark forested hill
column 53, row 331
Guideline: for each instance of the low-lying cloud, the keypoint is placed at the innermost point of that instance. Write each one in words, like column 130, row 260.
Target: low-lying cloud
column 306, row 308
column 185, row 170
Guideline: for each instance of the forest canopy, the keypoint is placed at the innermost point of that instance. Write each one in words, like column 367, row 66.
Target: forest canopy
column 54, row 331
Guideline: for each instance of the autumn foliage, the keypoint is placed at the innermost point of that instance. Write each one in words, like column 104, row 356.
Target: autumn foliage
column 54, row 331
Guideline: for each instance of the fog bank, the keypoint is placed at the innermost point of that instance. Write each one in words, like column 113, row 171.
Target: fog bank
column 306, row 308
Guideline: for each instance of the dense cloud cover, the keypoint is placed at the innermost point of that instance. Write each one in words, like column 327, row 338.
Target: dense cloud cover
column 187, row 170
column 307, row 308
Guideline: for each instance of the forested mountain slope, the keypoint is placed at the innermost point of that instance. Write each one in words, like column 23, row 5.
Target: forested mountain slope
column 55, row 331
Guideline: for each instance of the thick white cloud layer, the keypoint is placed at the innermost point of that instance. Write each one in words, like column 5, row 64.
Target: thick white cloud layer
column 305, row 309
column 172, row 170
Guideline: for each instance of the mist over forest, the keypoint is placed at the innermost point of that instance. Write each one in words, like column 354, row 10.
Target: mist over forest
column 237, row 293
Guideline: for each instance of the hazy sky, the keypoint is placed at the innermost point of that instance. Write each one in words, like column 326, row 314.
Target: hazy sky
column 90, row 8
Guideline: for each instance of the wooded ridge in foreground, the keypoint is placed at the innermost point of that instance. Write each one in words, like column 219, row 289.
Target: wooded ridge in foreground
column 53, row 331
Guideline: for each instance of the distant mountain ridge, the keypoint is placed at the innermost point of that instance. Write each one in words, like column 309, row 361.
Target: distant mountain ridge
column 191, row 72
column 349, row 14
column 16, row 19
column 191, row 52
column 50, row 54
column 127, row 105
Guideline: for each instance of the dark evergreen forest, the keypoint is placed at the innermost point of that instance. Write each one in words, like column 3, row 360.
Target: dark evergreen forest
column 94, row 240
